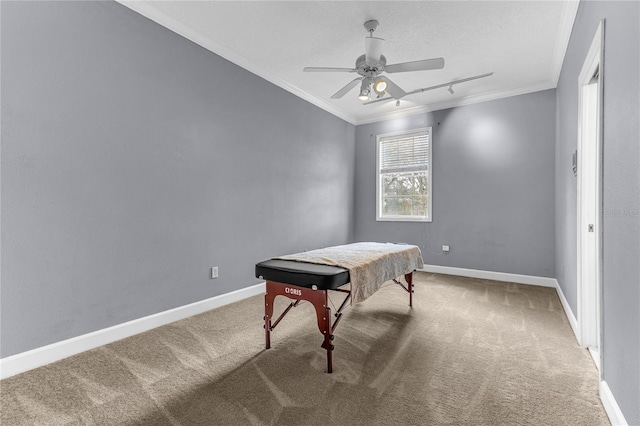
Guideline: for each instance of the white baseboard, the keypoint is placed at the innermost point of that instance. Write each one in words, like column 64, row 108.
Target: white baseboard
column 611, row 406
column 490, row 275
column 19, row 363
column 573, row 322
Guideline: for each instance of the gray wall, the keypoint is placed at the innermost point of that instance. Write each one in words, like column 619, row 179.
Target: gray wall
column 134, row 160
column 493, row 196
column 621, row 188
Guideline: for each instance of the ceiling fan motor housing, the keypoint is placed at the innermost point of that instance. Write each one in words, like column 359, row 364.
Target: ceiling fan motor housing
column 368, row 71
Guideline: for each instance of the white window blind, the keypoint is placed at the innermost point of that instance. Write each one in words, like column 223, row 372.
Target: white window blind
column 404, row 176
column 404, row 154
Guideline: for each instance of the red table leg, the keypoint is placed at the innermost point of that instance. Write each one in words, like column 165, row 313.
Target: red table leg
column 409, row 278
column 318, row 298
column 268, row 313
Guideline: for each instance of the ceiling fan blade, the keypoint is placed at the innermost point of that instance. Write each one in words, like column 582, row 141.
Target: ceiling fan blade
column 328, row 69
column 393, row 89
column 340, row 93
column 373, row 50
column 423, row 65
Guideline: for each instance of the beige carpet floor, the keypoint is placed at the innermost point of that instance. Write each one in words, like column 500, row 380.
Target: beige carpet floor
column 471, row 351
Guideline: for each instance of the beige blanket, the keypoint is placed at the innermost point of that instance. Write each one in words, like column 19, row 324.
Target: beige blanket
column 369, row 264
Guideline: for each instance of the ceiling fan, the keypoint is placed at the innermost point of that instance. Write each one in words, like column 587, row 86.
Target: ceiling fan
column 372, row 64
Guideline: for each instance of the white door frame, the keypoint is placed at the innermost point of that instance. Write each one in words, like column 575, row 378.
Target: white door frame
column 590, row 96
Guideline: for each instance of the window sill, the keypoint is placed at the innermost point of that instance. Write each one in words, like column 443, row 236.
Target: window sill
column 403, row 219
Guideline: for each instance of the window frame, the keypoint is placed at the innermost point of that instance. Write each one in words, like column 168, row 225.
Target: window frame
column 429, row 216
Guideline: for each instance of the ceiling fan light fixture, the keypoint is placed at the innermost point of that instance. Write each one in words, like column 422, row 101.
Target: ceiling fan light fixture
column 365, row 90
column 380, row 86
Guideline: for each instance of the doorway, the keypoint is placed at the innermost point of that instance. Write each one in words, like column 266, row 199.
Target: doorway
column 589, row 174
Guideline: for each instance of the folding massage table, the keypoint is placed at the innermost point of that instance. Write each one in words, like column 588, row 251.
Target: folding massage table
column 311, row 275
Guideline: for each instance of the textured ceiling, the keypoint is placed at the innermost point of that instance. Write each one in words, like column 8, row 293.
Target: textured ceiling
column 521, row 42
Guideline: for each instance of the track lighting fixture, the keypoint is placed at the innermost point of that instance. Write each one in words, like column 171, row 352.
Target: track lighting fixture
column 402, row 94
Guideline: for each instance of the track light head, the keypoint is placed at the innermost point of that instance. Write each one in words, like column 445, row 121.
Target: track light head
column 379, row 87
column 365, row 89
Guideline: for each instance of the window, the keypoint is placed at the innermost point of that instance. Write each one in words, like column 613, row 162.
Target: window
column 404, row 176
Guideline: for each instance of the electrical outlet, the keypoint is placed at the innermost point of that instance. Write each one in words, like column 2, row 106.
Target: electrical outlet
column 214, row 272
column 445, row 248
